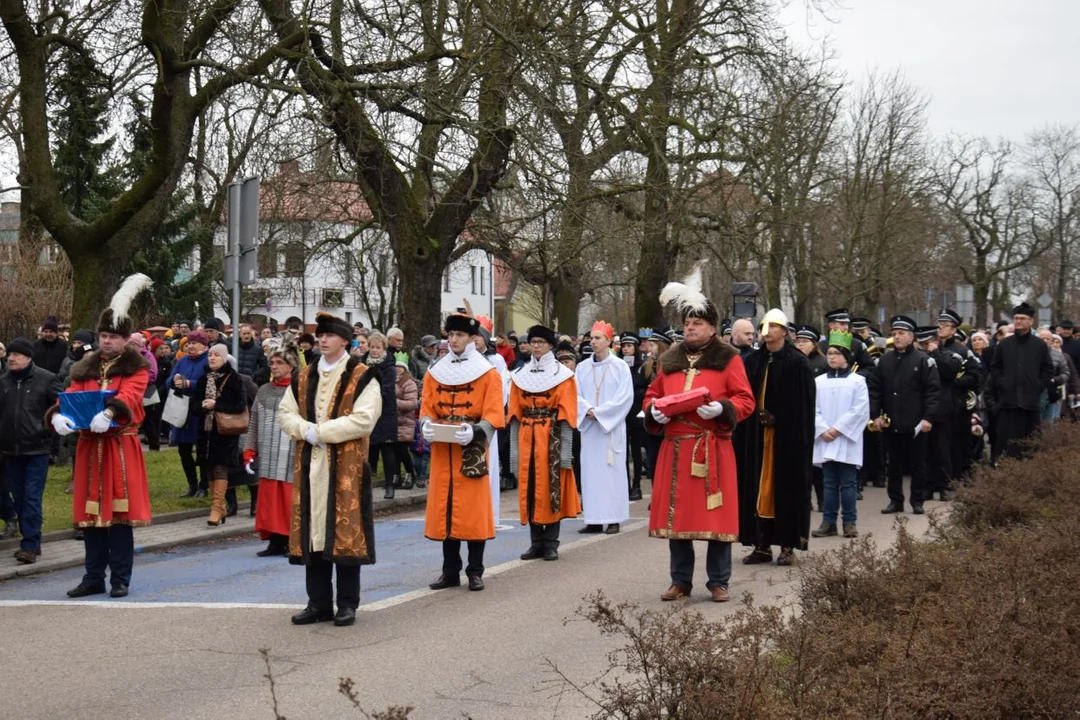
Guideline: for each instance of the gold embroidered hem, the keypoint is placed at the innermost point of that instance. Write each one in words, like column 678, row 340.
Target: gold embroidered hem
column 666, row 534
column 100, row 524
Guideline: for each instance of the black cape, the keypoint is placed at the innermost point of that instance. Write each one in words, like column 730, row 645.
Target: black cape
column 790, row 397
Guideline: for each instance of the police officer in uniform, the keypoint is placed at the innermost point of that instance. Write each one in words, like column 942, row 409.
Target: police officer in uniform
column 966, row 385
column 910, row 392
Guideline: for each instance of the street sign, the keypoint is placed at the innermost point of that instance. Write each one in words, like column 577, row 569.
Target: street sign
column 249, row 231
column 1045, row 300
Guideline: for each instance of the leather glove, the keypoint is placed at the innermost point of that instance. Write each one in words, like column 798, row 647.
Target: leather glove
column 247, row 468
column 101, row 423
column 711, row 410
column 464, row 435
column 426, row 431
column 311, row 437
column 63, row 425
column 658, row 416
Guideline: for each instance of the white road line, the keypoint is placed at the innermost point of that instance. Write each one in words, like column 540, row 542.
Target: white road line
column 369, row 607
column 136, row 605
column 497, row 570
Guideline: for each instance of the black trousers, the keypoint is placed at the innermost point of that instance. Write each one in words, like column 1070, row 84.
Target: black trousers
column 544, row 536
column 320, row 586
column 451, row 557
column 818, row 478
column 904, row 448
column 196, row 476
column 652, row 452
column 152, row 425
column 403, row 457
column 1011, row 427
column 635, row 439
column 873, row 468
column 939, row 467
column 110, row 547
column 961, row 444
column 717, row 563
column 389, row 458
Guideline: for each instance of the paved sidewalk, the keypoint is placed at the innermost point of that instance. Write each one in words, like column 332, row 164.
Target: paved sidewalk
column 168, row 532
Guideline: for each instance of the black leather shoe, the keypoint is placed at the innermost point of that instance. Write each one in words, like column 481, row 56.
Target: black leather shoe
column 446, row 581
column 199, row 493
column 190, row 493
column 310, row 615
column 635, row 494
column 551, row 554
column 345, row 616
column 591, row 529
column 119, row 590
column 476, row 582
column 533, row 553
column 945, row 495
column 893, row 507
column 612, row 529
column 271, row 550
column 759, row 556
column 917, row 509
column 84, row 589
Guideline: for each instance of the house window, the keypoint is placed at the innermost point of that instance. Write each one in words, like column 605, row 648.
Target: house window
column 219, row 262
column 333, row 297
column 446, row 280
column 268, row 260
column 295, row 256
column 472, row 278
column 254, row 297
column 381, row 270
column 483, row 275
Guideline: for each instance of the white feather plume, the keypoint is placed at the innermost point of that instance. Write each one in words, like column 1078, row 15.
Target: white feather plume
column 122, row 299
column 687, row 295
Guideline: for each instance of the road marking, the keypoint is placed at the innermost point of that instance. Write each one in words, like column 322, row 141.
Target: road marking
column 137, row 605
column 369, row 607
column 497, row 570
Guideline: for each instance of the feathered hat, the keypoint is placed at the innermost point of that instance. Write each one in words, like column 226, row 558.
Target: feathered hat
column 688, row 298
column 115, row 318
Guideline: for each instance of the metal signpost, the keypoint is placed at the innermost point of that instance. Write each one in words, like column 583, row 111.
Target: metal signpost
column 241, row 249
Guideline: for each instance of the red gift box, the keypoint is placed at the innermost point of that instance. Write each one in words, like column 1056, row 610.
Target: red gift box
column 684, row 402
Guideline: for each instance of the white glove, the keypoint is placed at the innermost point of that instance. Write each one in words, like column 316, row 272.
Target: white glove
column 426, row 431
column 658, row 416
column 711, row 410
column 101, row 423
column 311, row 436
column 464, row 435
column 63, row 425
column 247, row 468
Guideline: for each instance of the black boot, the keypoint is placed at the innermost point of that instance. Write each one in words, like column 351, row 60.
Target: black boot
column 635, row 490
column 254, row 490
column 389, row 487
column 230, row 502
column 191, row 490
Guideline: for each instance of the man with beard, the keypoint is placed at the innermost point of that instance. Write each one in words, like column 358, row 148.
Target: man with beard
column 742, row 337
column 775, row 502
column 695, row 491
column 50, row 349
column 1020, row 372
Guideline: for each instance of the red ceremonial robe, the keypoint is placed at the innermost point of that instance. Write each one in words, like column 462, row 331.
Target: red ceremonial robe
column 695, row 488
column 110, row 472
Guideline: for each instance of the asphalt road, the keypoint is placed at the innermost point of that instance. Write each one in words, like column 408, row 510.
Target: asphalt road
column 186, row 642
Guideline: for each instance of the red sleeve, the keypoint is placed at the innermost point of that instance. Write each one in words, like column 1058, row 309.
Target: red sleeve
column 738, row 389
column 656, row 390
column 249, row 455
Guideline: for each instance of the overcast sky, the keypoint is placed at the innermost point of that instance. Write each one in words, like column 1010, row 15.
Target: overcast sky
column 989, row 67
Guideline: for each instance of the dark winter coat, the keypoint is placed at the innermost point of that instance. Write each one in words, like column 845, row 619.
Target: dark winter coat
column 910, row 388
column 251, row 361
column 50, row 355
column 969, row 376
column 24, row 400
column 213, row 448
column 191, row 369
column 1020, row 372
column 790, row 398
column 386, row 428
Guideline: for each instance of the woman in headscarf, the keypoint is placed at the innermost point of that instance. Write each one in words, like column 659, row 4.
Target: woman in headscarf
column 268, row 444
column 219, row 390
column 185, row 375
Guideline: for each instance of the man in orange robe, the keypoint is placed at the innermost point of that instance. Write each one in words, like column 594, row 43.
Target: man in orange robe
column 461, row 389
column 543, row 415
column 695, row 488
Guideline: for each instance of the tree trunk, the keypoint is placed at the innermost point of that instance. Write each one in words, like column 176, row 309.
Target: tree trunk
column 93, row 284
column 658, row 255
column 567, row 301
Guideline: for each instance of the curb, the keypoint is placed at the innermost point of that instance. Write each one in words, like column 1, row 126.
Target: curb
column 219, row 533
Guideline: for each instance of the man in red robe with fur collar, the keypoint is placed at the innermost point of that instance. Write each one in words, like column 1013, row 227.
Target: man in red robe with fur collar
column 695, row 489
column 111, row 494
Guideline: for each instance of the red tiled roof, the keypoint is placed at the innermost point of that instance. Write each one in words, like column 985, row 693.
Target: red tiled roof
column 292, row 195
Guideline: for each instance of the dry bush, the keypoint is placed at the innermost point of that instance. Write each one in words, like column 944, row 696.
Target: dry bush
column 981, row 622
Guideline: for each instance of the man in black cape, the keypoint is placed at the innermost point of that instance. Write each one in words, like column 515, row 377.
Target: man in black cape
column 1020, row 372
column 775, row 446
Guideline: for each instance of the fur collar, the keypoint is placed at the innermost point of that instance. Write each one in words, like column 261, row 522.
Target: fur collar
column 716, row 356
column 129, row 363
